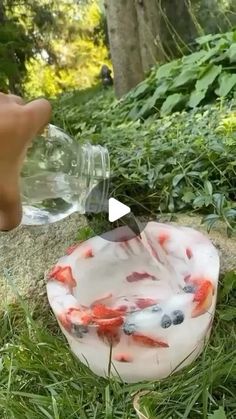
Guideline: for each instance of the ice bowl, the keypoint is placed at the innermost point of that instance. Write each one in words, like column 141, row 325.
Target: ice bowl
column 140, row 308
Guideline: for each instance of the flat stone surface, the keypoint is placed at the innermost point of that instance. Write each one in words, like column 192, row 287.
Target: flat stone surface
column 28, row 252
column 225, row 245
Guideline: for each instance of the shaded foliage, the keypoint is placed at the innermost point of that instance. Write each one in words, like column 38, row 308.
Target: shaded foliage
column 180, row 162
column 198, row 78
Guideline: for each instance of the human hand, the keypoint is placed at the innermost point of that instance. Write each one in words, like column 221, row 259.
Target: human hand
column 19, row 124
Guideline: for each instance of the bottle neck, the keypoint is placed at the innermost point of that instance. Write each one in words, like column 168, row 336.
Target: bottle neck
column 94, row 171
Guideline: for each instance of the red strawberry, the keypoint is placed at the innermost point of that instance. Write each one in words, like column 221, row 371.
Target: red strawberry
column 204, row 288
column 139, row 276
column 83, row 317
column 100, row 311
column 123, row 357
column 71, row 249
column 202, row 296
column 149, row 342
column 110, row 335
column 87, row 253
column 122, row 309
column 64, row 275
column 109, row 323
column 163, row 238
column 53, row 272
column 65, row 322
column 189, row 253
column 145, row 302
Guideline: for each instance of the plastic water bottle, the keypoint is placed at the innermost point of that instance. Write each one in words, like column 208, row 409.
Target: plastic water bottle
column 59, row 175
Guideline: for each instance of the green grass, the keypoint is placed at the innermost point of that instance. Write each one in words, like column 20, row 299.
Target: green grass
column 40, row 378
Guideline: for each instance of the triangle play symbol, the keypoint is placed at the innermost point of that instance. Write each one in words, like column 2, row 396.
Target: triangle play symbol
column 117, row 210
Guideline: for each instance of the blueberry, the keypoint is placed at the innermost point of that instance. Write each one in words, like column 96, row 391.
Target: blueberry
column 189, row 289
column 166, row 321
column 177, row 317
column 79, row 330
column 156, row 309
column 129, row 328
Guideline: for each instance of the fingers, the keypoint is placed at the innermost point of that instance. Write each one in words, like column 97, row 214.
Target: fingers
column 8, row 98
column 10, row 209
column 16, row 99
column 39, row 114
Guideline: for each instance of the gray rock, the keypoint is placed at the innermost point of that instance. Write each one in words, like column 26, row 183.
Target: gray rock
column 28, row 252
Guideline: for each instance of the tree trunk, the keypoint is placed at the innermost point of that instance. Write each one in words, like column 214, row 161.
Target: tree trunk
column 124, row 44
column 177, row 26
column 149, row 20
column 2, row 12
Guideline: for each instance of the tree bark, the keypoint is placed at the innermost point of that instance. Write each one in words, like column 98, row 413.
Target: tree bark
column 124, row 44
column 2, row 13
column 177, row 27
column 149, row 20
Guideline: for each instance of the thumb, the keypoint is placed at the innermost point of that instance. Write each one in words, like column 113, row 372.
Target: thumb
column 39, row 114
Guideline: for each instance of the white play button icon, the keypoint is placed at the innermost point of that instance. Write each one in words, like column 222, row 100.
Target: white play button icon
column 117, row 210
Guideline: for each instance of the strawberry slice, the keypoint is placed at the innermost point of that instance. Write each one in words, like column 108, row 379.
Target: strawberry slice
column 189, row 253
column 53, row 272
column 145, row 302
column 83, row 317
column 163, row 238
column 64, row 275
column 87, row 253
column 204, row 288
column 139, row 276
column 149, row 342
column 72, row 248
column 100, row 311
column 202, row 296
column 65, row 321
column 109, row 323
column 123, row 357
column 109, row 335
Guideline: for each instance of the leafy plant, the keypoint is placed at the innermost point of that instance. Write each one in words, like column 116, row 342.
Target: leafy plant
column 198, row 78
column 179, row 162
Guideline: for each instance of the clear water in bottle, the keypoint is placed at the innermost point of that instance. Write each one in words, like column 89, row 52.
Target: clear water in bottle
column 58, row 176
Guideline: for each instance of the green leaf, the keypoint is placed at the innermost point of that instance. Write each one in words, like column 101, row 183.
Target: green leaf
column 229, row 284
column 171, row 102
column 208, row 77
column 166, row 70
column 161, row 90
column 177, row 179
column 208, row 187
column 218, row 414
column 208, row 55
column 133, row 114
column 210, row 220
column 188, row 197
column 232, row 53
column 148, row 105
column 226, row 82
column 186, row 76
column 219, row 201
column 199, row 202
column 196, row 97
column 151, row 101
column 207, row 38
column 139, row 90
column 194, row 57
